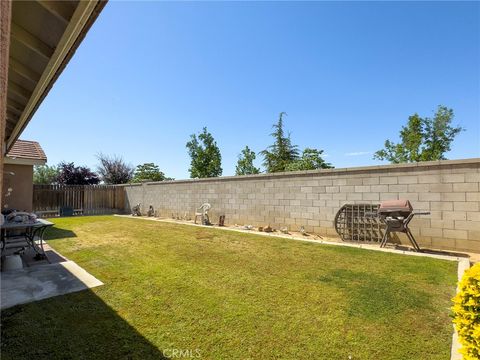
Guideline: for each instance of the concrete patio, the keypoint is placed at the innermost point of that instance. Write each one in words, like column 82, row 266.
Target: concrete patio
column 41, row 280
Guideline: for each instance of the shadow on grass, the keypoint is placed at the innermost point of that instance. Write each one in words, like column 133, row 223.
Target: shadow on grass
column 55, row 233
column 73, row 326
column 434, row 252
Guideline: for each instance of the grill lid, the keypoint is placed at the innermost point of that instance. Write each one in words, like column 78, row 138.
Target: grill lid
column 395, row 206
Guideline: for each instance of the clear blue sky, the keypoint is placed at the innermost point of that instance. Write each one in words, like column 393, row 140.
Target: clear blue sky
column 348, row 74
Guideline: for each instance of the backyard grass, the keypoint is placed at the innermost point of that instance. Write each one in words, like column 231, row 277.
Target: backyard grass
column 177, row 291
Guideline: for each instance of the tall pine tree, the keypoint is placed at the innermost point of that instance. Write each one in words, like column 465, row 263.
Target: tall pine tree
column 281, row 153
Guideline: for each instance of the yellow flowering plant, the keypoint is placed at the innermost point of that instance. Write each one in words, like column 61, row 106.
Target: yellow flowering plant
column 466, row 313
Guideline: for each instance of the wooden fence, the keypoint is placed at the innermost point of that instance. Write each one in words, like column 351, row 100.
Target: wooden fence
column 83, row 199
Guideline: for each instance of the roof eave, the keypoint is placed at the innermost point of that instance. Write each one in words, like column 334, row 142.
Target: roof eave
column 83, row 18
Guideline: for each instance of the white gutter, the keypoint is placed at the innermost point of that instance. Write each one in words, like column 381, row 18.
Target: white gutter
column 23, row 161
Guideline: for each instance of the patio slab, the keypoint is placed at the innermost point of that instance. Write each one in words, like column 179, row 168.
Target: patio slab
column 42, row 282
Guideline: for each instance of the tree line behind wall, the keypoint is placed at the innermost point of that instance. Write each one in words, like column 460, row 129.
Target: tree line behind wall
column 111, row 170
column 421, row 139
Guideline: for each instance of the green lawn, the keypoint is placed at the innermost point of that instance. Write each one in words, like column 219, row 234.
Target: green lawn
column 175, row 290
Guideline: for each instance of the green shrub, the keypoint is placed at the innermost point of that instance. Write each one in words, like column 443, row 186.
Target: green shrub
column 466, row 311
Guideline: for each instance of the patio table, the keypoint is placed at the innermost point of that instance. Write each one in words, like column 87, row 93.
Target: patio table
column 31, row 232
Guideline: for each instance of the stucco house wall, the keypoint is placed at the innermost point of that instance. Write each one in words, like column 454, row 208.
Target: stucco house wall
column 21, row 184
column 18, row 175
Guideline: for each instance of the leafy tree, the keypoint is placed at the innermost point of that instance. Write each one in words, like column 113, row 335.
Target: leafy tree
column 439, row 134
column 311, row 159
column 245, row 163
column 422, row 139
column 45, row 175
column 282, row 152
column 206, row 160
column 113, row 170
column 69, row 174
column 148, row 172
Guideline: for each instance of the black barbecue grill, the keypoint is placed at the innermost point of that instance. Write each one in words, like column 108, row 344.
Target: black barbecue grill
column 375, row 223
column 397, row 214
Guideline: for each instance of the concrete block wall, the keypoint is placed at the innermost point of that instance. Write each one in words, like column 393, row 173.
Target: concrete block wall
column 448, row 189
